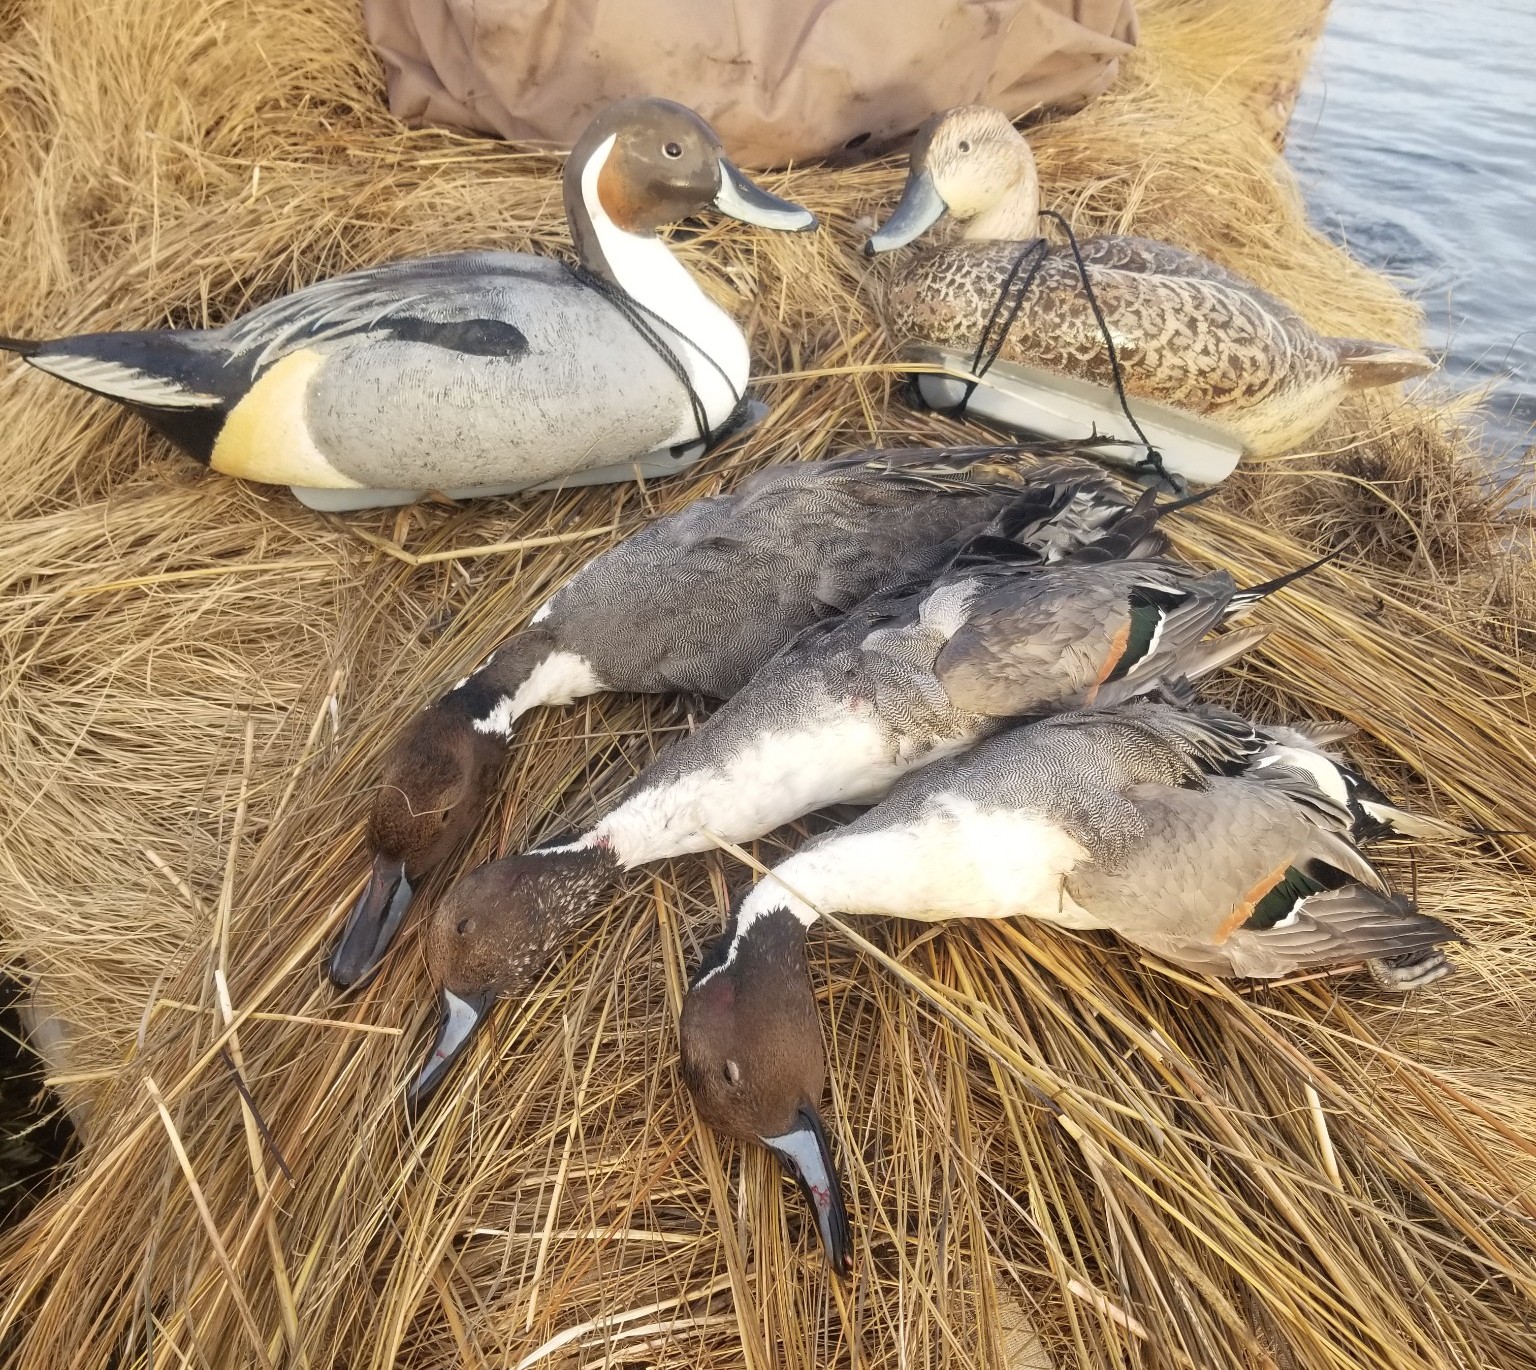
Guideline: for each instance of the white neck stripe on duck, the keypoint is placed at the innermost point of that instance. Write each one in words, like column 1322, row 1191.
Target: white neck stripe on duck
column 561, row 678
column 766, row 899
column 715, row 351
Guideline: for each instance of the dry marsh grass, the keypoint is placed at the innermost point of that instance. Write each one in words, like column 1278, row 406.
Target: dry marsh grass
column 1052, row 1145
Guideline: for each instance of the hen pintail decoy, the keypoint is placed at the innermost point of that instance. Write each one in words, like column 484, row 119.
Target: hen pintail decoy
column 696, row 602
column 474, row 372
column 1213, row 366
column 907, row 678
column 1223, row 846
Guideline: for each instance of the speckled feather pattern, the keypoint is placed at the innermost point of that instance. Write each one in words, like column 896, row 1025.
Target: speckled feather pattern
column 1187, row 332
column 906, row 678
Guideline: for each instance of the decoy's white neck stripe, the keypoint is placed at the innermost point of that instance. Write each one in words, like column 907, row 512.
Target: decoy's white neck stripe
column 645, row 269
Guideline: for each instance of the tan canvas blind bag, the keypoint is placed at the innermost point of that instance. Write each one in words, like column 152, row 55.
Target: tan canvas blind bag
column 781, row 80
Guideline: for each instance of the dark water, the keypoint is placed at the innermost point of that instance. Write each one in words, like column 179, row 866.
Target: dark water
column 33, row 1133
column 1415, row 140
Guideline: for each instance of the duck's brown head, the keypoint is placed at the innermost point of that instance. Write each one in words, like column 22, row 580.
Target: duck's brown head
column 497, row 930
column 645, row 163
column 971, row 163
column 438, row 778
column 753, row 1059
column 437, row 782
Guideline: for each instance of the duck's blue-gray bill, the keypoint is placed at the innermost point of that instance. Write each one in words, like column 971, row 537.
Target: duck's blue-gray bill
column 372, row 924
column 805, row 1151
column 746, row 200
column 462, row 1016
column 919, row 209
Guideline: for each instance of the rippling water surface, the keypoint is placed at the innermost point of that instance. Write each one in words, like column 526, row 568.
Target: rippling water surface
column 1415, row 140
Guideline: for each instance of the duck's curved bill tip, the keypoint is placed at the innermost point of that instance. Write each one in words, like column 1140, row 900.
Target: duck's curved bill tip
column 804, row 1149
column 371, row 925
column 461, row 1019
column 742, row 198
column 919, row 209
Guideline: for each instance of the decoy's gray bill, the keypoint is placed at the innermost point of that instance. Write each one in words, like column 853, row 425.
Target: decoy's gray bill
column 371, row 925
column 919, row 209
column 461, row 1018
column 806, row 1153
column 744, row 199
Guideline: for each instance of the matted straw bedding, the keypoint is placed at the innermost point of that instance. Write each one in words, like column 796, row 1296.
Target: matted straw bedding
column 1058, row 1154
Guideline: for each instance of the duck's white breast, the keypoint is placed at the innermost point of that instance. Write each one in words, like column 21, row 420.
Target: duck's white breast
column 954, row 860
column 776, row 777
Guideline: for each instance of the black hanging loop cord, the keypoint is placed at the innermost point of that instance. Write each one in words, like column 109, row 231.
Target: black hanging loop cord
column 990, row 346
column 644, row 321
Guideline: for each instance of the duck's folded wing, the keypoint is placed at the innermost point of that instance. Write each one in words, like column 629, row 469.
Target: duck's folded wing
column 456, row 301
column 1074, row 636
column 1210, row 859
column 1148, row 257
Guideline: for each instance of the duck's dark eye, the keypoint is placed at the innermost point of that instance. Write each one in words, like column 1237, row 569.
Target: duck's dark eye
column 465, row 925
column 732, row 1073
column 673, row 150
column 964, row 145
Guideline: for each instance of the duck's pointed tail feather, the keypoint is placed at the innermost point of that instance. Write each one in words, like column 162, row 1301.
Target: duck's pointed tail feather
column 1401, row 823
column 152, row 370
column 1244, row 600
column 22, row 347
column 1369, row 364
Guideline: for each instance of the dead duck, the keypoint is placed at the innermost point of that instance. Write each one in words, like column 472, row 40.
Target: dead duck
column 907, row 678
column 474, row 372
column 1222, row 846
column 1214, row 366
column 696, row 602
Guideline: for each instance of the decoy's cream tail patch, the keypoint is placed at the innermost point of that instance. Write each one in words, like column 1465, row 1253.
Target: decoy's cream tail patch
column 266, row 436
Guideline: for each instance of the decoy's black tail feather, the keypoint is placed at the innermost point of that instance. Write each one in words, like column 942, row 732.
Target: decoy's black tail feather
column 1246, row 599
column 23, row 347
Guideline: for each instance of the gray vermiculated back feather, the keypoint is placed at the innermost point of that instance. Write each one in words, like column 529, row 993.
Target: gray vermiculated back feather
column 1024, row 628
column 721, row 585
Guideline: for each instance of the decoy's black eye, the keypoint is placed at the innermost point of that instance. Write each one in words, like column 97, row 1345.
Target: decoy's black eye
column 673, row 150
column 964, row 145
column 465, row 925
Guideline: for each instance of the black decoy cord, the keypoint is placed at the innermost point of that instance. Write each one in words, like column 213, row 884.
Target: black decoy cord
column 990, row 346
column 644, row 321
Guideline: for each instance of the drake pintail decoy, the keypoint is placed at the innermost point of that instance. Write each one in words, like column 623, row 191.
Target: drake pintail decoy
column 1212, row 365
column 694, row 603
column 475, row 372
column 1223, row 846
column 907, row 678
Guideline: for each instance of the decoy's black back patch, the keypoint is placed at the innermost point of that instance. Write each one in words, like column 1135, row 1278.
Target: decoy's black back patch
column 474, row 337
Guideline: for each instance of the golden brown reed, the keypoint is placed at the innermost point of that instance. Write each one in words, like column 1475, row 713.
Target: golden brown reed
column 199, row 677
